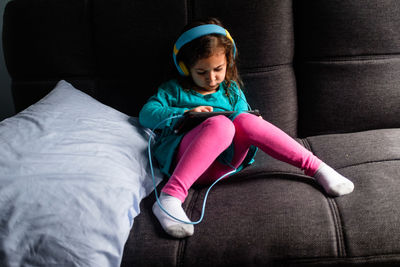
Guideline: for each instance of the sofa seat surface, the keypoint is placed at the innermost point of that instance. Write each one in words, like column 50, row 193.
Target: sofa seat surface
column 271, row 214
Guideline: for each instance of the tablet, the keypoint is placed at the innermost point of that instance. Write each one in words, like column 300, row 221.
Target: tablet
column 191, row 119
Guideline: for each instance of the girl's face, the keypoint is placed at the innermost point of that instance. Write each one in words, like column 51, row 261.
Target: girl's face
column 208, row 73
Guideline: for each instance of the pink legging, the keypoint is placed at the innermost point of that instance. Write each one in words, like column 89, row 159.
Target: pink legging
column 196, row 157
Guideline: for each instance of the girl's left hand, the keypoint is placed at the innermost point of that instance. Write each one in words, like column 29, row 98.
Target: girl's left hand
column 202, row 109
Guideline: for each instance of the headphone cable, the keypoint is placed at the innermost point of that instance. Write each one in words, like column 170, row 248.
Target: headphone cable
column 155, row 185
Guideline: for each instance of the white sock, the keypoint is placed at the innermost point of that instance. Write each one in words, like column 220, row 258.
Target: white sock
column 173, row 227
column 334, row 183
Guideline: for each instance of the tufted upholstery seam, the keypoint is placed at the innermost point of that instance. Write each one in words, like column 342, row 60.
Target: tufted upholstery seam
column 335, row 215
column 180, row 255
column 341, row 248
column 264, row 69
column 367, row 162
column 181, row 252
column 345, row 58
column 373, row 259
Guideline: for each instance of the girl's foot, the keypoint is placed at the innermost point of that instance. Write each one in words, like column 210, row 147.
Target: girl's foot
column 334, row 183
column 173, row 227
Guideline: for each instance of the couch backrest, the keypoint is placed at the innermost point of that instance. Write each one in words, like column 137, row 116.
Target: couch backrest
column 347, row 65
column 311, row 67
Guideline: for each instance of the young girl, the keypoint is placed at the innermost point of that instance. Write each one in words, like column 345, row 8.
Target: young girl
column 205, row 57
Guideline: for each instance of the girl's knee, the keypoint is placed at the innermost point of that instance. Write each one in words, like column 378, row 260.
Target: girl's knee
column 221, row 125
column 245, row 116
column 245, row 120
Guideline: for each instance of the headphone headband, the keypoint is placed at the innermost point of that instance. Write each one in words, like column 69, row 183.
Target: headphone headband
column 195, row 33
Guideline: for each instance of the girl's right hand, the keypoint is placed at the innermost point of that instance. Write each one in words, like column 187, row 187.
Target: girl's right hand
column 202, row 109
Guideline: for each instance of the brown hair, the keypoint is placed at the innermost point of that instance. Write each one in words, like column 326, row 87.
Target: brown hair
column 204, row 47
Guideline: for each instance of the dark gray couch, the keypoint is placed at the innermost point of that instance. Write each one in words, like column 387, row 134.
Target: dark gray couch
column 326, row 72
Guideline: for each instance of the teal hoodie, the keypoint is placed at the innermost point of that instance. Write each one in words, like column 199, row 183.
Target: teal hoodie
column 171, row 100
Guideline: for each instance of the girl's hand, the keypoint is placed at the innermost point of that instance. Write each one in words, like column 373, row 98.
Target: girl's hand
column 202, row 109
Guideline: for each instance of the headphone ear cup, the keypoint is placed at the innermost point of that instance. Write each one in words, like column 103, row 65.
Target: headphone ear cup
column 183, row 67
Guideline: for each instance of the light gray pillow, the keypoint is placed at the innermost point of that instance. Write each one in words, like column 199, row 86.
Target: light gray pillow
column 72, row 174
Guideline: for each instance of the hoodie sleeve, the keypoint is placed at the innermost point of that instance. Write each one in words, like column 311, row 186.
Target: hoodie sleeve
column 159, row 108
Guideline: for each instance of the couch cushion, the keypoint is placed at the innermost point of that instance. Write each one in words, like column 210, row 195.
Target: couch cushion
column 122, row 52
column 272, row 214
column 263, row 31
column 372, row 161
column 347, row 95
column 347, row 65
column 141, row 59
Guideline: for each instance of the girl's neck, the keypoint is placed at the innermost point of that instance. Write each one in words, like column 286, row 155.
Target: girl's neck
column 205, row 92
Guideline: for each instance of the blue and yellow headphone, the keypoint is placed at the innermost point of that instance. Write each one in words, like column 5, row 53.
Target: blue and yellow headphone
column 195, row 33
